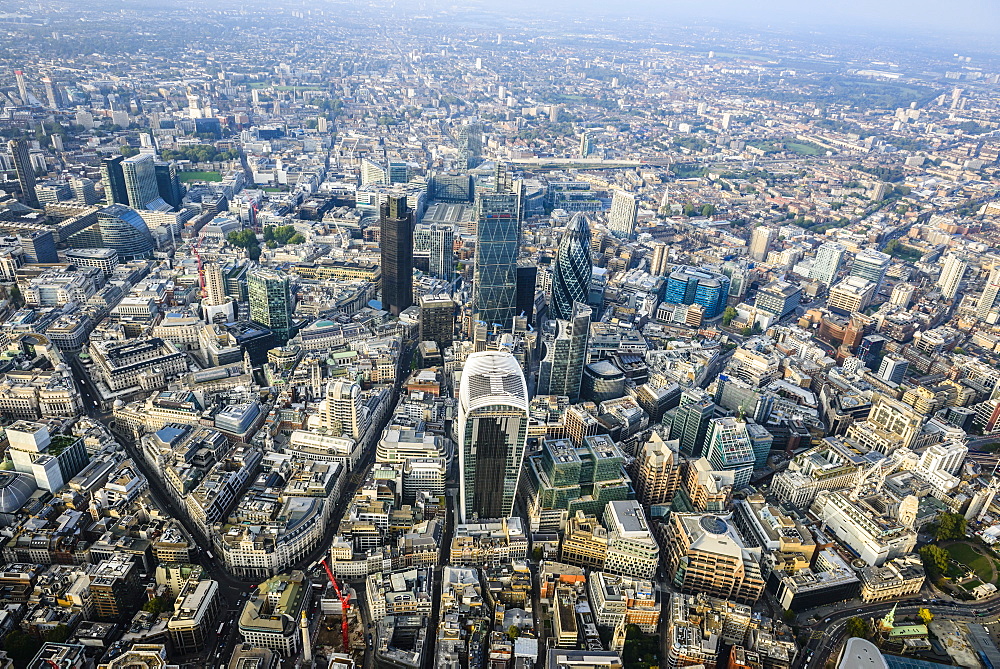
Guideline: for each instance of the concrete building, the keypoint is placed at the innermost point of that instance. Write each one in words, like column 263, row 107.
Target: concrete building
column 706, row 554
column 632, row 550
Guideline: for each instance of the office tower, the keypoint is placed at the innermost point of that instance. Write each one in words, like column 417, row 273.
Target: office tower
column 689, row 285
column 442, row 258
column 51, row 95
column 586, row 144
column 572, row 269
column 25, row 171
column 453, row 187
column 113, row 178
column 659, row 263
column 84, row 191
column 892, row 370
column 120, row 228
column 215, row 285
column 689, row 421
column 623, row 215
column 632, row 550
column 342, row 411
column 902, row 294
column 658, row 468
column 396, row 243
column 728, row 448
column 870, row 348
column 851, row 295
column 437, row 319
column 168, row 185
column 115, row 589
column 602, row 381
column 760, row 441
column 829, row 256
column 561, row 370
column 22, row 88
column 871, row 265
column 271, row 301
column 39, row 246
column 195, row 611
column 398, row 172
column 470, row 145
column 492, row 432
column 988, row 300
column 778, row 298
column 498, row 241
column 760, row 242
column 527, row 281
column 52, row 460
column 951, row 275
column 140, row 180
column 706, row 554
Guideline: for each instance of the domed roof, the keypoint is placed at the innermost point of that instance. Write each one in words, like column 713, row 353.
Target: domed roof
column 15, row 489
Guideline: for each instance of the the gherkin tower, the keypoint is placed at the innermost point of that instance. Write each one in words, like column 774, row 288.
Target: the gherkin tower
column 573, row 268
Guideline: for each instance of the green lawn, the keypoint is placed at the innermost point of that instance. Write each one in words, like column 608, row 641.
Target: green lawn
column 199, row 176
column 982, row 565
column 804, row 148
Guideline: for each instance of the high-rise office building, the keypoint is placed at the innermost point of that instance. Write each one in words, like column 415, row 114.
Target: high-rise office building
column 658, row 471
column 872, row 265
column 39, row 246
column 22, row 87
column 689, row 421
column 113, row 179
column 572, row 269
column 84, row 191
column 120, row 228
column 728, row 448
column 902, row 295
column 498, row 241
column 140, row 180
column 437, row 319
column 398, row 172
column 586, row 144
column 271, row 301
column 659, row 261
column 952, row 272
column 761, row 240
column 689, row 285
column 527, row 281
column 470, row 145
column 442, row 257
column 778, row 298
column 51, row 94
column 372, row 173
column 623, row 215
column 893, row 370
column 829, row 257
column 988, row 300
column 168, row 185
column 492, row 432
column 396, row 243
column 561, row 369
column 25, row 171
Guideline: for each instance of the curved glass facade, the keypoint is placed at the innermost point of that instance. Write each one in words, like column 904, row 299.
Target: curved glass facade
column 123, row 230
column 572, row 269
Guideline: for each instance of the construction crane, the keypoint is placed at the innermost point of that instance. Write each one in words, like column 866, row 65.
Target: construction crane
column 344, row 604
column 201, row 270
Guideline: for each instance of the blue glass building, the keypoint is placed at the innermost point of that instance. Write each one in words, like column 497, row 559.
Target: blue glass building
column 688, row 285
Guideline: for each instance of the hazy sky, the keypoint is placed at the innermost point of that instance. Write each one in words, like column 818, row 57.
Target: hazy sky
column 980, row 16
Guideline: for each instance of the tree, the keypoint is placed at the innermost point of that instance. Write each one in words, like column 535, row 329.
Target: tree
column 925, row 616
column 57, row 634
column 156, row 606
column 689, row 210
column 858, row 627
column 254, row 253
column 728, row 315
column 708, row 210
column 950, row 527
column 935, row 560
column 21, row 647
column 513, row 632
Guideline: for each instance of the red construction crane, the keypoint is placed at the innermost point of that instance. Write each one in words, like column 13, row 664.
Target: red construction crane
column 344, row 604
column 201, row 270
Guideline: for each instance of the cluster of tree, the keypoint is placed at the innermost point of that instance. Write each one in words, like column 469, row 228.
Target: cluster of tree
column 706, row 210
column 201, row 153
column 896, row 249
column 890, row 174
column 727, row 316
column 950, row 527
column 21, row 647
column 935, row 561
column 247, row 240
column 858, row 627
column 156, row 605
column 280, row 235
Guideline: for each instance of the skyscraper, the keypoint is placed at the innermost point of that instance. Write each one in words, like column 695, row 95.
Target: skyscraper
column 120, row 228
column 442, row 260
column 623, row 215
column 872, row 265
column 689, row 421
column 271, row 301
column 437, row 319
column 951, row 275
column 470, row 145
column 659, row 262
column 167, row 184
column 498, row 240
column 51, row 95
column 527, row 282
column 728, row 448
column 690, row 285
column 39, row 246
column 561, row 369
column 25, row 171
column 572, row 268
column 140, row 180
column 113, row 177
column 829, row 255
column 396, row 243
column 22, row 88
column 761, row 240
column 991, row 290
column 492, row 432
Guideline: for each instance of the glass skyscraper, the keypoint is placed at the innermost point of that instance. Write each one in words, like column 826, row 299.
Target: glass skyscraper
column 561, row 369
column 689, row 285
column 120, row 228
column 498, row 240
column 140, row 180
column 271, row 301
column 728, row 448
column 113, row 177
column 25, row 171
column 572, row 269
column 492, row 433
column 396, row 244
